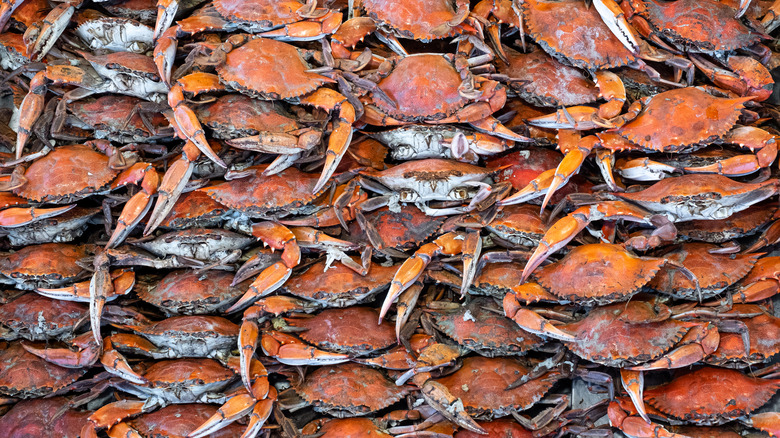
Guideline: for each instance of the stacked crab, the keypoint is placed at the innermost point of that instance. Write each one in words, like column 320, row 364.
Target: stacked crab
column 283, row 218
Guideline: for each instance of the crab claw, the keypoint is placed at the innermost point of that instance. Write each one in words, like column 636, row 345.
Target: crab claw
column 743, row 7
column 440, row 398
column 172, row 186
column 87, row 354
column 531, row 321
column 122, row 280
column 232, row 410
column 18, row 217
column 100, row 287
column 41, row 38
column 7, row 7
column 556, row 237
column 289, row 350
column 634, row 384
column 188, row 124
column 137, row 207
column 748, row 137
column 112, row 414
column 30, row 110
column 413, row 267
column 571, row 162
column 340, row 136
column 537, row 187
column 166, row 12
column 260, row 414
column 116, row 364
column 612, row 15
column 635, row 426
column 247, row 342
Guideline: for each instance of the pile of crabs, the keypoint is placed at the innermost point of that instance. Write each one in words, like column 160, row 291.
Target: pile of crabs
column 376, row 218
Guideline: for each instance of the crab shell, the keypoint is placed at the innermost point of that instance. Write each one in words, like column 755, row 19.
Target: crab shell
column 114, row 34
column 549, row 83
column 107, row 116
column 681, row 119
column 711, row 396
column 270, row 70
column 351, row 330
column 739, row 224
column 38, row 318
column 182, row 380
column 764, row 333
column 519, row 224
column 26, row 375
column 487, row 333
column 194, row 209
column 481, row 385
column 47, row 265
column 64, row 227
column 138, row 73
column 701, row 196
column 714, row 272
column 598, row 273
column 700, row 25
column 190, row 293
column 179, row 420
column 348, row 428
column 417, row 19
column 404, row 229
column 197, row 243
column 258, row 194
column 603, row 337
column 269, row 13
column 574, row 34
column 192, row 336
column 339, row 286
column 43, row 418
column 349, row 389
column 499, row 279
column 237, row 115
column 87, row 169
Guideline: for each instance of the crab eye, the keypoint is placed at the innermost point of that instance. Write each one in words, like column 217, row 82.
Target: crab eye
column 459, row 193
column 408, row 196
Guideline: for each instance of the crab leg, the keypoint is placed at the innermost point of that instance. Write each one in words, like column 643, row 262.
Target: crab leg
column 634, row 384
column 746, row 137
column 309, row 30
column 137, row 207
column 636, row 426
column 188, row 124
column 30, row 109
column 166, row 12
column 87, row 354
column 112, row 414
column 289, row 350
column 19, row 216
column 413, row 267
column 7, row 7
column 530, row 320
column 123, row 282
column 340, row 136
column 172, row 186
column 700, row 342
column 277, row 237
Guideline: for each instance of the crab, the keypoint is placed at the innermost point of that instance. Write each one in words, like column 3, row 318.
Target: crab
column 760, row 283
column 28, row 226
column 95, row 167
column 186, row 381
column 48, row 264
column 423, row 181
column 122, row 72
column 714, row 119
column 390, row 231
column 36, row 318
column 762, row 345
column 739, row 224
column 477, row 327
column 678, row 199
column 194, row 209
column 415, row 142
column 189, row 292
column 714, row 272
column 684, row 27
column 264, row 81
column 203, row 244
column 348, row 390
column 44, row 418
column 115, row 34
column 480, row 388
column 173, row 421
column 174, row 337
column 497, row 428
column 25, row 375
column 452, row 94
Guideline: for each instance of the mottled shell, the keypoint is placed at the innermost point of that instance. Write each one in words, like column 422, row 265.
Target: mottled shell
column 349, row 390
column 352, row 330
column 711, row 396
column 604, row 337
column 48, row 262
column 349, row 428
column 415, row 20
column 483, row 331
column 714, row 272
column 500, row 428
column 86, row 169
column 739, row 224
column 42, row 418
column 764, row 333
column 700, row 25
column 194, row 209
column 481, row 384
column 339, row 286
column 188, row 292
column 177, row 421
column 598, row 273
column 258, row 194
column 36, row 318
column 270, row 70
column 402, row 229
column 550, row 83
column 519, row 224
column 26, row 375
column 423, row 87
column 574, row 34
column 682, row 117
column 126, row 62
column 268, row 13
column 178, row 372
column 237, row 115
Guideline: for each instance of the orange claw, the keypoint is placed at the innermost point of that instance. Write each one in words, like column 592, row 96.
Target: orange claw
column 413, row 267
column 20, row 216
column 86, row 355
column 235, row 408
column 247, row 342
column 571, row 162
column 30, row 110
column 634, row 384
column 137, row 207
column 535, row 323
column 166, row 12
column 188, row 124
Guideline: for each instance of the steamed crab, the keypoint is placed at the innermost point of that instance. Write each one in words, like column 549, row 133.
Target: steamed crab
column 713, row 120
column 49, row 264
